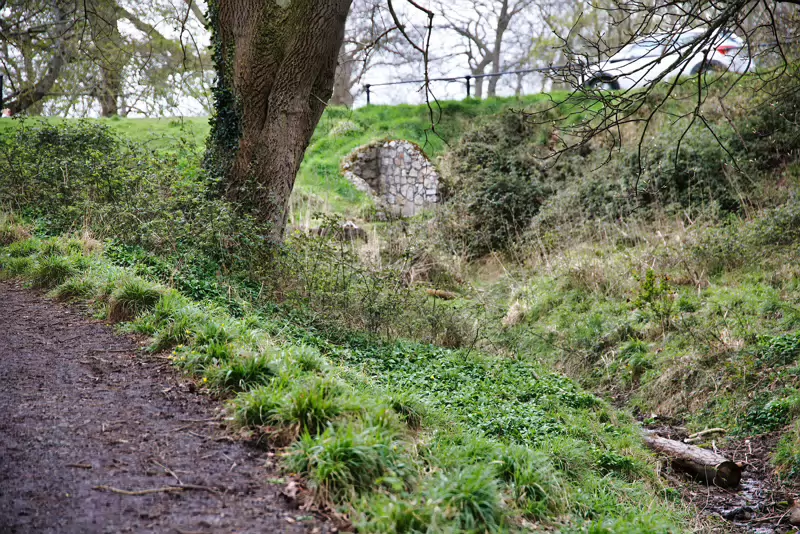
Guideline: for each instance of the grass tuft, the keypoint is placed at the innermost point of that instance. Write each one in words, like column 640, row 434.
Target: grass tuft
column 131, row 298
column 74, row 288
column 51, row 271
column 345, row 461
column 242, row 373
column 470, row 499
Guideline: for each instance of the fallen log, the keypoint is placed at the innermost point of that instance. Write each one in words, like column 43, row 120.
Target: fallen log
column 702, row 464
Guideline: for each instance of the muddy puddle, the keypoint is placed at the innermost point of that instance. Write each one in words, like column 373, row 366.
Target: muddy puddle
column 759, row 505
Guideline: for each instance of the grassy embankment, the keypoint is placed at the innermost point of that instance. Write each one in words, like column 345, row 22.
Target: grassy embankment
column 399, row 435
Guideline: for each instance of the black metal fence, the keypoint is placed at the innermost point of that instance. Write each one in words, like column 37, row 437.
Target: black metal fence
column 468, row 79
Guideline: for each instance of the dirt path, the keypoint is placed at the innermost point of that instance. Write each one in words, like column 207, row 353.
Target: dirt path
column 80, row 408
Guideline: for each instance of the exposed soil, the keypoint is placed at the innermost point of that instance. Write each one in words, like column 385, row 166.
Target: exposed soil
column 758, row 505
column 83, row 411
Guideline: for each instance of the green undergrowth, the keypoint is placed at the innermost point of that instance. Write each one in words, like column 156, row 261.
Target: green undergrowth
column 698, row 324
column 400, row 436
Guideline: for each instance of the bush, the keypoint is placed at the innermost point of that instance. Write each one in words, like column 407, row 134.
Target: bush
column 495, row 185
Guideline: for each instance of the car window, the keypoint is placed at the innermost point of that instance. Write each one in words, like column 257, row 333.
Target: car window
column 640, row 50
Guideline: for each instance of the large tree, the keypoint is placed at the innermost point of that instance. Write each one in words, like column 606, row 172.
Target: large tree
column 275, row 62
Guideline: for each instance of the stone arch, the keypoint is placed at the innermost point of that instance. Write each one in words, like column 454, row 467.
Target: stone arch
column 396, row 173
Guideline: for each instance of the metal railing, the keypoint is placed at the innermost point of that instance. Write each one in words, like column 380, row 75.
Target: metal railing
column 467, row 79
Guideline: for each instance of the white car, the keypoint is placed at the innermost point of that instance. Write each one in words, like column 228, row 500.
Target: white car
column 645, row 61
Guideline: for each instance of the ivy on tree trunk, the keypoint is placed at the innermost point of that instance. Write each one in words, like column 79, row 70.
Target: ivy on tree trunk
column 275, row 63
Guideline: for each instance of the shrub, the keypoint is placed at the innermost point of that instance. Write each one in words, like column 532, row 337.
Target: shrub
column 131, row 298
column 495, row 185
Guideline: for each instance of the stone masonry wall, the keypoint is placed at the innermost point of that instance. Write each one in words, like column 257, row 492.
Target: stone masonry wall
column 396, row 173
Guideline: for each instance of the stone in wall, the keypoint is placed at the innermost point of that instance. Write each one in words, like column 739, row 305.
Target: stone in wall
column 396, row 173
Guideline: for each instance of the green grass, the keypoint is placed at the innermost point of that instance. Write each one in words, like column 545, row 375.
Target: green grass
column 404, row 436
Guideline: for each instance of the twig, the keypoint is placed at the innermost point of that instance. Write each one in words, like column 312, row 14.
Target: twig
column 168, row 470
column 81, row 466
column 165, row 489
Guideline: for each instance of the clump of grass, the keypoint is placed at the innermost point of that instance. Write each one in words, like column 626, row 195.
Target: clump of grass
column 51, row 271
column 52, row 247
column 212, row 332
column 12, row 267
column 787, row 454
column 26, row 247
column 306, row 358
column 260, row 406
column 131, row 298
column 470, row 499
column 346, row 461
column 241, row 373
column 175, row 320
column 73, row 288
column 310, row 407
column 292, row 406
column 533, row 482
column 408, row 408
column 393, row 514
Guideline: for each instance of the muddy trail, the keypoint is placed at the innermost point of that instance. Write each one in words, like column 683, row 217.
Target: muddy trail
column 95, row 436
column 759, row 505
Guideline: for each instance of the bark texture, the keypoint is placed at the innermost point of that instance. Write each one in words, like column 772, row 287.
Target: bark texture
column 275, row 61
column 702, row 464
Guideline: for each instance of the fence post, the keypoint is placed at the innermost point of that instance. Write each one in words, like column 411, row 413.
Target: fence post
column 468, row 78
column 367, row 88
column 1, row 94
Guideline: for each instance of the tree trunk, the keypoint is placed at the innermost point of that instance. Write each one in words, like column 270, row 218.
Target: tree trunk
column 702, row 464
column 110, row 91
column 343, row 82
column 275, row 62
column 110, row 53
column 497, row 58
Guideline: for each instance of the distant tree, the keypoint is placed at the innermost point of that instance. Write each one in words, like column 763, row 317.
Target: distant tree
column 61, row 54
column 483, row 27
column 369, row 40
